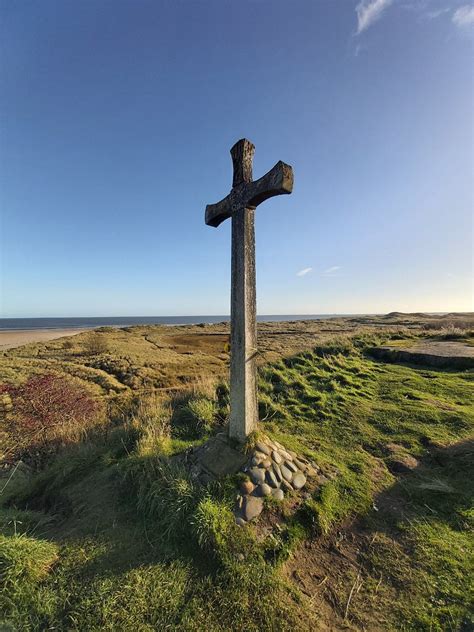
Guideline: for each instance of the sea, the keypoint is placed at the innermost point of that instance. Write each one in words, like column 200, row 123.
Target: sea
column 9, row 324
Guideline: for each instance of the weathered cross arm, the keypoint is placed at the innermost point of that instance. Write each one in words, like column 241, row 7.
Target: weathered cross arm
column 217, row 213
column 277, row 181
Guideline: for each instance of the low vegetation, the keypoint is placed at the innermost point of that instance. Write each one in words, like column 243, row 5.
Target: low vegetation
column 43, row 414
column 108, row 533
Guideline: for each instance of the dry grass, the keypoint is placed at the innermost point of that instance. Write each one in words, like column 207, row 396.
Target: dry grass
column 152, row 420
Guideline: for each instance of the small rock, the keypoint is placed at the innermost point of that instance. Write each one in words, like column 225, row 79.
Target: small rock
column 271, row 479
column 286, row 486
column 240, row 521
column 310, row 471
column 247, row 487
column 291, row 466
column 266, row 464
column 292, row 454
column 276, row 457
column 323, row 480
column 277, row 471
column 263, row 490
column 263, row 448
column 286, row 473
column 253, row 507
column 300, row 465
column 299, row 480
column 278, row 494
column 257, row 458
column 286, row 455
column 257, row 474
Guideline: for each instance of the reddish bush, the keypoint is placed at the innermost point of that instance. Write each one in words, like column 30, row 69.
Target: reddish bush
column 48, row 411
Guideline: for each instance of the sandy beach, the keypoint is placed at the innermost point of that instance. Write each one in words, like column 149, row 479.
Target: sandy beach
column 18, row 337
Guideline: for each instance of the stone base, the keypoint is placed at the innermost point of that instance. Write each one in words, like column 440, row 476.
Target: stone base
column 272, row 470
column 214, row 459
column 269, row 470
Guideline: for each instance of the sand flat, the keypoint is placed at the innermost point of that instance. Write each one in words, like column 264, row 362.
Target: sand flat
column 17, row 337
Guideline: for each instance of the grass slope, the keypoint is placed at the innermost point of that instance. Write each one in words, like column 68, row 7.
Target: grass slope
column 119, row 539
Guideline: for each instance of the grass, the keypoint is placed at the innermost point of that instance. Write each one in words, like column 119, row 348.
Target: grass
column 119, row 537
column 427, row 551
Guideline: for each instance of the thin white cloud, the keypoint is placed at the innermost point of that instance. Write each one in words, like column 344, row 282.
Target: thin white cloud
column 368, row 11
column 331, row 271
column 432, row 15
column 464, row 16
column 303, row 272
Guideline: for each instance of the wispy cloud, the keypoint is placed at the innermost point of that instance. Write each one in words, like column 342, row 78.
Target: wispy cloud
column 432, row 15
column 332, row 271
column 303, row 272
column 464, row 16
column 368, row 11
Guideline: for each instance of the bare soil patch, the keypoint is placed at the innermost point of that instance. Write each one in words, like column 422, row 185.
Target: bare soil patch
column 212, row 343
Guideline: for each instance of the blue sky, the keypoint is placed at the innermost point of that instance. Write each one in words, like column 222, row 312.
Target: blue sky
column 118, row 117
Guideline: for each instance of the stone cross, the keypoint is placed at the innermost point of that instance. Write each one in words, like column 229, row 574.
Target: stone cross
column 240, row 205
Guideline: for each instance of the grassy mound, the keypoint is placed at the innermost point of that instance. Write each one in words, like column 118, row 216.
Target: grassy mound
column 125, row 540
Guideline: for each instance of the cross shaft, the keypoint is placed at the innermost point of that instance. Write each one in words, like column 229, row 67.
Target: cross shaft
column 240, row 205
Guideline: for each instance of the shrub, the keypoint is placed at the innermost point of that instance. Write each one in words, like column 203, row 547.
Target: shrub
column 453, row 333
column 96, row 344
column 48, row 411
